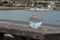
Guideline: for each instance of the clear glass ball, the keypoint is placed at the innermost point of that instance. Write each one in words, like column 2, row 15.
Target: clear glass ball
column 35, row 21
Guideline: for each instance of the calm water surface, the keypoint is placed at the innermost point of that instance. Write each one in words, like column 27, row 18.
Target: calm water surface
column 49, row 17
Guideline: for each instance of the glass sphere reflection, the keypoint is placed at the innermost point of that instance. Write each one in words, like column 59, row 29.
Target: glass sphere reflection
column 35, row 21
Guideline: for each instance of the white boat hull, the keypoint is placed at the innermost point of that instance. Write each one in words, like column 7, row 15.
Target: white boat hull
column 39, row 9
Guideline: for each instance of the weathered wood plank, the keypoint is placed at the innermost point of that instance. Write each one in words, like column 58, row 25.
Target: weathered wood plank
column 23, row 29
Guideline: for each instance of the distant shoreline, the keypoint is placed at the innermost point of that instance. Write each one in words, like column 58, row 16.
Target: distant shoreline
column 13, row 8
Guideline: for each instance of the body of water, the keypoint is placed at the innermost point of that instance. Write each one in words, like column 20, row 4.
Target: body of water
column 49, row 17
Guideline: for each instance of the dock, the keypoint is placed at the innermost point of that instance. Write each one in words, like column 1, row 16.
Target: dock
column 45, row 32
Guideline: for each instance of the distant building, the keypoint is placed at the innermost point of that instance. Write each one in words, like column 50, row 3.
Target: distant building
column 3, row 1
